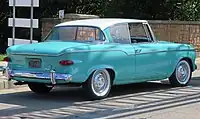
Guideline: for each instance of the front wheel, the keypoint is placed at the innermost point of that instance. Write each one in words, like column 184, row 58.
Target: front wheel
column 98, row 84
column 182, row 74
column 39, row 88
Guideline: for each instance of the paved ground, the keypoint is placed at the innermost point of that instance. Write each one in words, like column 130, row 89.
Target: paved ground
column 137, row 101
column 3, row 63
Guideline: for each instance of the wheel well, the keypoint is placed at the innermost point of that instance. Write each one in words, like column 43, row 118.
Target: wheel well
column 112, row 73
column 190, row 62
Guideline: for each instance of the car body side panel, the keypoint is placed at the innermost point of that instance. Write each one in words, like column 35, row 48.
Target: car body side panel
column 86, row 58
column 178, row 52
column 151, row 62
column 156, row 61
column 120, row 59
column 179, row 55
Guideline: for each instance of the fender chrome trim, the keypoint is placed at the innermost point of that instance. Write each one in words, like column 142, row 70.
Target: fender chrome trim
column 140, row 53
column 78, row 51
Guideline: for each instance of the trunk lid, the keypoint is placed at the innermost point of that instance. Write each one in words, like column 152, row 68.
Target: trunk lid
column 40, row 57
column 43, row 48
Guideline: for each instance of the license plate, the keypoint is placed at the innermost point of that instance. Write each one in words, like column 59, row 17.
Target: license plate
column 34, row 63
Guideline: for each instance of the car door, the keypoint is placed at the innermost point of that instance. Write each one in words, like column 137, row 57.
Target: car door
column 150, row 57
column 119, row 35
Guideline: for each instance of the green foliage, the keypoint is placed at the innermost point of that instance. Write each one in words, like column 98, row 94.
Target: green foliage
column 3, row 24
column 50, row 8
column 156, row 9
column 141, row 9
column 187, row 10
column 2, row 57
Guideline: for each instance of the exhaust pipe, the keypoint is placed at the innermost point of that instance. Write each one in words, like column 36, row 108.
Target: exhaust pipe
column 19, row 83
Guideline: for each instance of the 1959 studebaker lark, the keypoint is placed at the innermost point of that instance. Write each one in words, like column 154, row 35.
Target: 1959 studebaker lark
column 99, row 53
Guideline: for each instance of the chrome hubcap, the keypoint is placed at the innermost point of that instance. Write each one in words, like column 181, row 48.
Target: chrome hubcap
column 101, row 82
column 183, row 72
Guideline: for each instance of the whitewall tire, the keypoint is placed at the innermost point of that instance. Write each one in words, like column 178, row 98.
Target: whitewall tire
column 98, row 84
column 182, row 74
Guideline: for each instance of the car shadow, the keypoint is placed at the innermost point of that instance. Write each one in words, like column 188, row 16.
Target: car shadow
column 28, row 102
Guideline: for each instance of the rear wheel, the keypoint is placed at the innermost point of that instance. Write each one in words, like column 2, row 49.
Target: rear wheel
column 182, row 74
column 39, row 88
column 98, row 84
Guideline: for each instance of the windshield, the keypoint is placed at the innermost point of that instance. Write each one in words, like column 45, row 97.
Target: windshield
column 79, row 33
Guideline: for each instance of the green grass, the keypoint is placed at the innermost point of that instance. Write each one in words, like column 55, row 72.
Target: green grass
column 2, row 56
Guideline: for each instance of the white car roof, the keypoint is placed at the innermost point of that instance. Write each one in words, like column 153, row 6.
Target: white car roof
column 101, row 23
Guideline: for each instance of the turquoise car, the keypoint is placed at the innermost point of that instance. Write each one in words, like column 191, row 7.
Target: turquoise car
column 97, row 54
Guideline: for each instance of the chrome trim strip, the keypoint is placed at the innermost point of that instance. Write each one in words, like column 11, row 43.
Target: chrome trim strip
column 78, row 51
column 164, row 51
column 146, row 32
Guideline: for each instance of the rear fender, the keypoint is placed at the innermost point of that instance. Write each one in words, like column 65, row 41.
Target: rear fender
column 91, row 70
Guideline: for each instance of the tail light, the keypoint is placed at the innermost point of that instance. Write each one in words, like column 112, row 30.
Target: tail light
column 7, row 59
column 66, row 62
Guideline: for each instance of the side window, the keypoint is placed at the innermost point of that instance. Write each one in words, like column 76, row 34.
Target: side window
column 120, row 33
column 139, row 33
column 89, row 33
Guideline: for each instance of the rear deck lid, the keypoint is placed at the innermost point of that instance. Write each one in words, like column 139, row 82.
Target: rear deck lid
column 44, row 48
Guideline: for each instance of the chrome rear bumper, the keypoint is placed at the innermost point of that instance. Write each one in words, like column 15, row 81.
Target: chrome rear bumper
column 52, row 75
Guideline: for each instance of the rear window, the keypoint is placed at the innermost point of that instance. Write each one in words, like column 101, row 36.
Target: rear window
column 80, row 33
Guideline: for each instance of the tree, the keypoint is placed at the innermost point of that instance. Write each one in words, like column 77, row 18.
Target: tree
column 141, row 9
column 155, row 9
column 186, row 10
column 50, row 8
column 3, row 25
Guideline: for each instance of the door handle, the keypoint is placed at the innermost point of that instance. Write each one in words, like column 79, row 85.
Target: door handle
column 137, row 51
